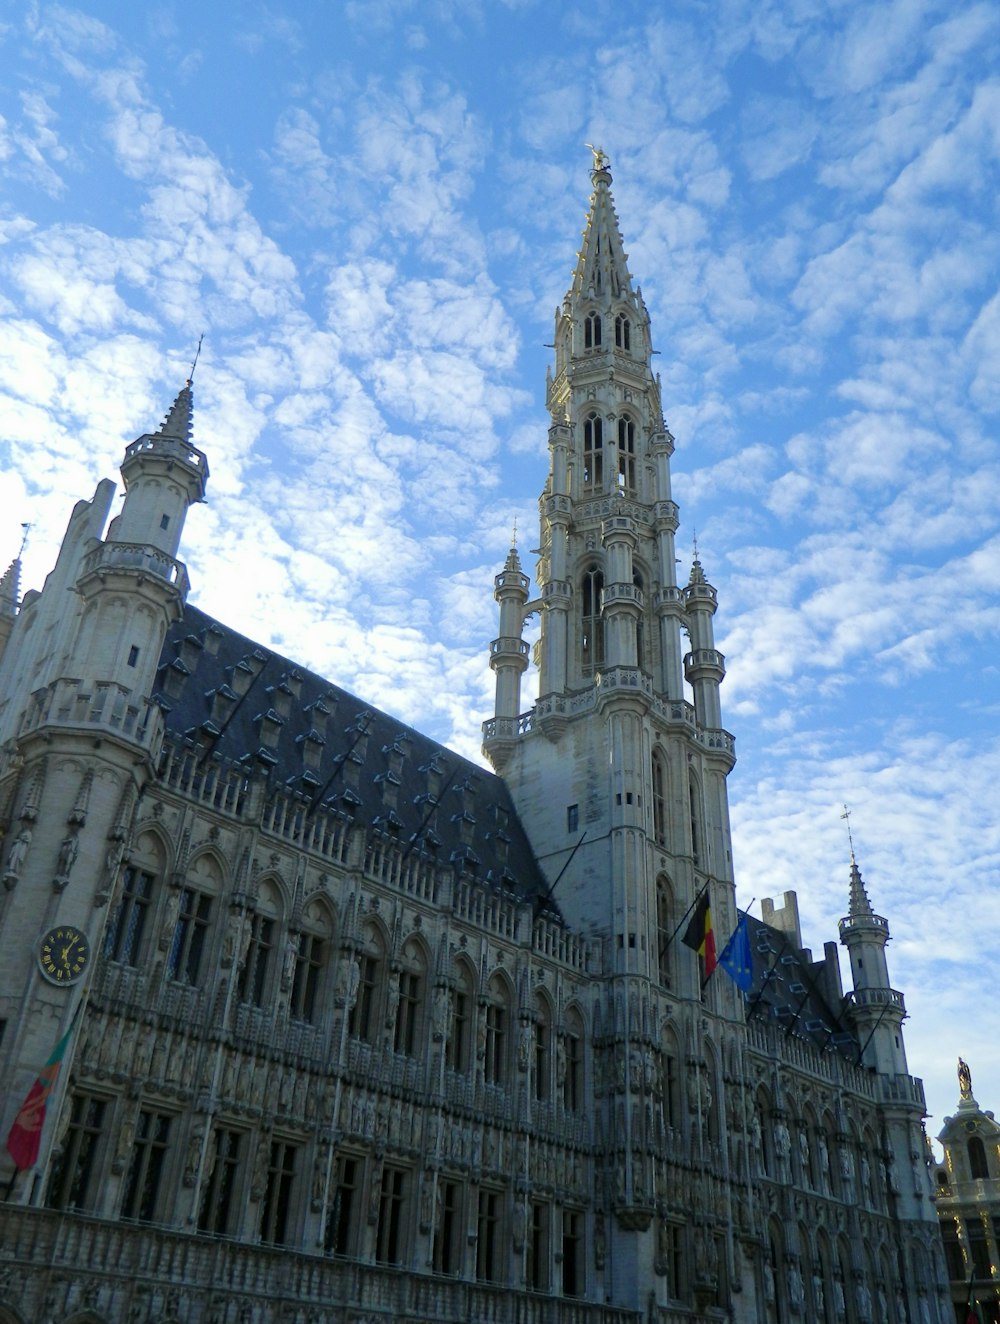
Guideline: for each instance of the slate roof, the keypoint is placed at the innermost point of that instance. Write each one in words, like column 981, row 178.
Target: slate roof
column 796, row 993
column 247, row 705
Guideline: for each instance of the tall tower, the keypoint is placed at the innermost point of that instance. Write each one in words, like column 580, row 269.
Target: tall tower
column 619, row 771
column 616, row 689
column 79, row 735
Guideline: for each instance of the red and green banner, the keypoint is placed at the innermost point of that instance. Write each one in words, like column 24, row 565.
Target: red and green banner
column 25, row 1136
column 700, row 935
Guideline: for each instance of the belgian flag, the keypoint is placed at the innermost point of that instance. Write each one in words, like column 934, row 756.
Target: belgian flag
column 699, row 934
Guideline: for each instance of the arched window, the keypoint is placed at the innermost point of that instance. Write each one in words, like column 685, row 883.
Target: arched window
column 409, row 999
column 626, row 454
column 571, row 1064
column 593, row 452
column 457, row 1054
column 190, row 915
column 256, row 975
column 659, row 800
column 664, row 927
column 623, row 332
column 311, row 952
column 541, row 1065
column 977, row 1159
column 592, row 632
column 592, row 331
column 695, row 823
column 127, row 924
column 496, row 1033
column 364, row 1019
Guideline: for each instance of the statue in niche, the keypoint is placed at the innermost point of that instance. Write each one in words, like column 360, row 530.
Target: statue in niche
column 795, row 1294
column 68, row 850
column 193, row 1156
column 16, row 857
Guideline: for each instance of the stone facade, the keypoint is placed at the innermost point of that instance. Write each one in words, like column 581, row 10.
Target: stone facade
column 368, row 1031
column 967, row 1186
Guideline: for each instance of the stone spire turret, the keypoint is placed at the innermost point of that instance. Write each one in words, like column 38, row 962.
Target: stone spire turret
column 508, row 652
column 877, row 1008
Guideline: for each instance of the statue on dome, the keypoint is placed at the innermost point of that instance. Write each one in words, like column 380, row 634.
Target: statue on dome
column 964, row 1079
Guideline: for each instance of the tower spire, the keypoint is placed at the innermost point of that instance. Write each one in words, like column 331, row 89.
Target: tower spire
column 179, row 422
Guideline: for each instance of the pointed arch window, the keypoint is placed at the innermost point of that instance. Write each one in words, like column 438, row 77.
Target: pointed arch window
column 311, row 954
column 571, row 1065
column 497, row 1026
column 592, row 331
column 659, row 800
column 695, row 824
column 542, row 1065
column 626, row 454
column 460, row 1022
column 592, row 633
column 410, row 999
column 593, row 452
column 623, row 332
column 664, row 927
column 365, row 1012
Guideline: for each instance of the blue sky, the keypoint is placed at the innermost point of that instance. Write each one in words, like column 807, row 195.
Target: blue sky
column 372, row 209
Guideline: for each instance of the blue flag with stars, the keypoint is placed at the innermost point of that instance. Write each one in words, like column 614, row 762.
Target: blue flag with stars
column 736, row 958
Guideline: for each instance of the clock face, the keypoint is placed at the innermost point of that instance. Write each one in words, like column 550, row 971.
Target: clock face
column 63, row 954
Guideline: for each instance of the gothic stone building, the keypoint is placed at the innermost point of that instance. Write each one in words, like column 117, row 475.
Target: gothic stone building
column 968, row 1202
column 359, row 1031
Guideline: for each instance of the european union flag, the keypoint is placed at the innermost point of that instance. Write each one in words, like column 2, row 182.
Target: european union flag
column 736, row 958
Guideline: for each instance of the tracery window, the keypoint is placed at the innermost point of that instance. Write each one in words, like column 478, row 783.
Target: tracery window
column 142, row 1186
column 573, row 1067
column 623, row 332
column 219, row 1204
column 592, row 331
column 310, row 962
column 593, row 452
column 277, row 1203
column 497, row 1023
column 592, row 631
column 389, row 1229
column 542, row 1054
column 626, row 454
column 256, row 975
column 410, row 999
column 664, row 928
column 659, row 800
column 128, row 920
column 460, row 1022
column 73, row 1182
column 364, row 1013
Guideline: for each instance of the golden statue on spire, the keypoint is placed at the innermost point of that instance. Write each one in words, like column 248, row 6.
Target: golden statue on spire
column 601, row 162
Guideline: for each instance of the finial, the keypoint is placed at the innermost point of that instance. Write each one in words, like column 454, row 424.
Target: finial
column 24, row 539
column 964, row 1079
column 694, row 541
column 600, row 160
column 847, row 816
column 197, row 355
column 513, row 539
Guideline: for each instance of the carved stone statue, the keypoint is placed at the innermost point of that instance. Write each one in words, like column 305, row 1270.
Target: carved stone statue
column 68, row 851
column 16, row 857
column 964, row 1078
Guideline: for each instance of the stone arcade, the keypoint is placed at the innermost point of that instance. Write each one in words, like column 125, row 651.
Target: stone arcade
column 364, row 1032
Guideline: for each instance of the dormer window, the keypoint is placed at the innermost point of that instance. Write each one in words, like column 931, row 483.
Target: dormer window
column 592, row 331
column 593, row 452
column 623, row 332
